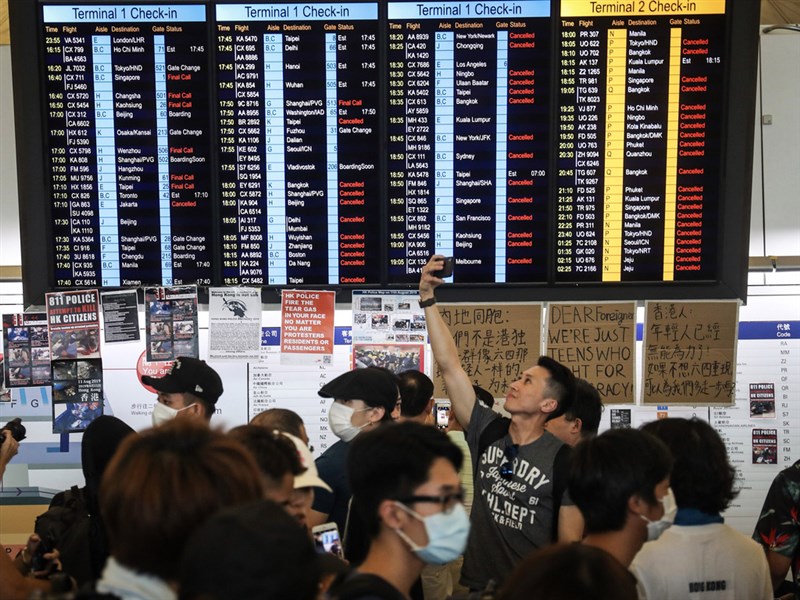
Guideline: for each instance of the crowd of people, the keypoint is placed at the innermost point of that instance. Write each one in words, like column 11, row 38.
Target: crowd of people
column 533, row 505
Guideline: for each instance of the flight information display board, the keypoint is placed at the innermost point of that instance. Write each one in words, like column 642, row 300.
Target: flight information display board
column 468, row 140
column 299, row 154
column 640, row 140
column 129, row 150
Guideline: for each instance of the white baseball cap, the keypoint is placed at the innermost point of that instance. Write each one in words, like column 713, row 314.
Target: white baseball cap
column 310, row 477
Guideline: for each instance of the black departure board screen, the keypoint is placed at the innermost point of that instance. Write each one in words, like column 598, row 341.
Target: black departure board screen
column 128, row 143
column 567, row 150
column 640, row 140
column 468, row 95
column 298, row 109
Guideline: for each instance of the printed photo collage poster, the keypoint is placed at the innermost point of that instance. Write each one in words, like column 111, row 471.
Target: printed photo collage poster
column 26, row 349
column 73, row 322
column 389, row 330
column 171, row 328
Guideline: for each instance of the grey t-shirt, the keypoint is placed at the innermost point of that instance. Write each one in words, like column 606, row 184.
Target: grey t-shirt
column 510, row 518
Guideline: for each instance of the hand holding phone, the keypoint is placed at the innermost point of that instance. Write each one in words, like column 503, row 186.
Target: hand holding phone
column 447, row 270
column 442, row 409
column 326, row 539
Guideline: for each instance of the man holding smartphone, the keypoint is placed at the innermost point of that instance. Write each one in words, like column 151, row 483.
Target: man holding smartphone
column 521, row 469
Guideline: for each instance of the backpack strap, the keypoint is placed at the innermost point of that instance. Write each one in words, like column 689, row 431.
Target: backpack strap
column 497, row 429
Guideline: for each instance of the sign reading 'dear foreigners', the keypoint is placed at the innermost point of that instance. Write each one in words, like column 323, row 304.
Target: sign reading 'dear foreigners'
column 690, row 352
column 306, row 324
column 597, row 341
column 496, row 342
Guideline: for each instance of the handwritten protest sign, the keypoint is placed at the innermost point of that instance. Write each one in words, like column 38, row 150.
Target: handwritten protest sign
column 597, row 341
column 495, row 342
column 690, row 352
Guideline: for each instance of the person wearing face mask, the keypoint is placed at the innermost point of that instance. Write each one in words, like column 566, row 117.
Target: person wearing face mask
column 189, row 390
column 620, row 482
column 363, row 399
column 407, row 494
column 706, row 558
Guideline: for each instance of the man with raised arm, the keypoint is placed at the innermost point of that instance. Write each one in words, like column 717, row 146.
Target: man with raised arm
column 520, row 468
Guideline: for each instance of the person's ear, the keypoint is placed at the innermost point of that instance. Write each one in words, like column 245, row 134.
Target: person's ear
column 378, row 412
column 548, row 405
column 575, row 425
column 391, row 515
column 637, row 505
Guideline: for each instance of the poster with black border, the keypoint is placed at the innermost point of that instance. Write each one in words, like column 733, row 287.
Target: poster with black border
column 171, row 322
column 120, row 316
column 26, row 349
column 73, row 323
column 765, row 446
column 77, row 394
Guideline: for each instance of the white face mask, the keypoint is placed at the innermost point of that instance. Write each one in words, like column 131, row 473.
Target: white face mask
column 656, row 528
column 340, row 421
column 163, row 413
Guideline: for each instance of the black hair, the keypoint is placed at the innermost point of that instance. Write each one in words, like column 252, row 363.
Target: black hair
column 586, row 406
column 416, row 390
column 607, row 470
column 275, row 454
column 702, row 477
column 569, row 572
column 389, row 408
column 282, row 419
column 250, row 551
column 560, row 385
column 209, row 408
column 390, row 463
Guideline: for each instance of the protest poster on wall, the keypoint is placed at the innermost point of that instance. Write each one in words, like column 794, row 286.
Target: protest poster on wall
column 120, row 316
column 26, row 349
column 234, row 324
column 496, row 342
column 598, row 342
column 690, row 352
column 306, row 324
column 171, row 322
column 73, row 321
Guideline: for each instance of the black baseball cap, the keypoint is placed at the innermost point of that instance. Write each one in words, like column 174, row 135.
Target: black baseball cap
column 374, row 385
column 189, row 375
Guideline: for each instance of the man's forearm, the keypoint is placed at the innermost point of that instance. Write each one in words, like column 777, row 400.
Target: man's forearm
column 445, row 351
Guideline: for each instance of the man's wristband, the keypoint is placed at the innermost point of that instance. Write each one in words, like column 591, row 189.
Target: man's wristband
column 426, row 303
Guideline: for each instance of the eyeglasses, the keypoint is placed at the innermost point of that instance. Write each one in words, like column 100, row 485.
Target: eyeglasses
column 507, row 468
column 447, row 501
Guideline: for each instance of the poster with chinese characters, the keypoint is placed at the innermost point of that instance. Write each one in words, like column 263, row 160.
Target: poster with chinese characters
column 496, row 342
column 690, row 352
